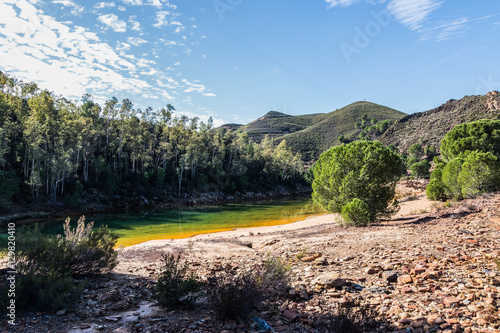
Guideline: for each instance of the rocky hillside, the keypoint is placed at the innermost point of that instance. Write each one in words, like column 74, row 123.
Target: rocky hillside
column 430, row 127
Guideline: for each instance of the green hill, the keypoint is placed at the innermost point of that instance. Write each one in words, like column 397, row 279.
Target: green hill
column 312, row 134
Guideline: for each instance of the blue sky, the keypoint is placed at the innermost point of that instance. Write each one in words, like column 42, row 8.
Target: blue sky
column 235, row 60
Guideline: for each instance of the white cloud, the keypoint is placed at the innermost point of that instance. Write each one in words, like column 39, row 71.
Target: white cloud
column 161, row 19
column 446, row 30
column 101, row 5
column 112, row 21
column 412, row 13
column 135, row 25
column 341, row 3
column 122, row 8
column 136, row 41
column 155, row 3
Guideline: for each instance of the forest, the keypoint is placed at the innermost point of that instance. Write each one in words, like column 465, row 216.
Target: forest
column 53, row 149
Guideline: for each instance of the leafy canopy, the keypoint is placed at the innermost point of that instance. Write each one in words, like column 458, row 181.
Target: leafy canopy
column 365, row 170
column 482, row 135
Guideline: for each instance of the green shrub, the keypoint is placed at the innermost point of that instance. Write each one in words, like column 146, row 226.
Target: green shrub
column 93, row 250
column 435, row 190
column 420, row 169
column 176, row 284
column 46, row 264
column 410, row 161
column 482, row 135
column 480, row 173
column 356, row 213
column 416, row 151
column 48, row 292
column 234, row 296
column 363, row 169
column 450, row 178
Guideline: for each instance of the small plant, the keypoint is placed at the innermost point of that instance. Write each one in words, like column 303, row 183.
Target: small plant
column 176, row 285
column 190, row 245
column 353, row 317
column 497, row 262
column 274, row 275
column 234, row 296
column 301, row 254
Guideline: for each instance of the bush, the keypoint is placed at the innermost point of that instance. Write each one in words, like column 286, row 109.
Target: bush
column 46, row 292
column 450, row 178
column 482, row 135
column 356, row 213
column 363, row 169
column 420, row 169
column 273, row 276
column 416, row 151
column 234, row 296
column 176, row 285
column 480, row 173
column 93, row 250
column 435, row 190
column 46, row 264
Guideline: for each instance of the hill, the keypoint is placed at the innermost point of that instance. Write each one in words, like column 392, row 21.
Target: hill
column 312, row 134
column 431, row 126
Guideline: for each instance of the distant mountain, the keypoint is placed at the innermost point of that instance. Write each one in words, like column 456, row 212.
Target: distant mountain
column 312, row 134
column 431, row 126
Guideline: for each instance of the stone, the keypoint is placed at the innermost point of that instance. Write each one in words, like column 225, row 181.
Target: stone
column 330, row 280
column 311, row 257
column 403, row 279
column 449, row 301
column 389, row 276
column 289, row 315
column 61, row 312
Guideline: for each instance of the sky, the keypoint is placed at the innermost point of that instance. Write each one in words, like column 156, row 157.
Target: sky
column 235, row 60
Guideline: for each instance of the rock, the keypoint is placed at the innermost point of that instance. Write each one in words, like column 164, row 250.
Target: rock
column 373, row 270
column 448, row 301
column 289, row 315
column 311, row 257
column 389, row 276
column 330, row 280
column 121, row 330
column 321, row 261
column 61, row 312
column 403, row 279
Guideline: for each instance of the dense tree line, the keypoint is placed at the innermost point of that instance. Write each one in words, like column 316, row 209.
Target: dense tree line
column 56, row 148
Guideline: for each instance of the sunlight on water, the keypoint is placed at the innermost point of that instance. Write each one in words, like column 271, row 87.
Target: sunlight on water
column 137, row 227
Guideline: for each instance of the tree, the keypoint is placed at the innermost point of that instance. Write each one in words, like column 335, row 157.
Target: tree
column 482, row 135
column 364, row 170
column 430, row 152
column 420, row 169
column 416, row 151
column 450, row 178
column 480, row 173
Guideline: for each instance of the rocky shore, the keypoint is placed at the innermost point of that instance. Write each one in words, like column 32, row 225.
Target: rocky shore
column 432, row 272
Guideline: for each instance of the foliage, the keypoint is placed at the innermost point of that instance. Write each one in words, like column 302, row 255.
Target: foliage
column 273, row 275
column 364, row 170
column 356, row 213
column 46, row 292
column 416, row 151
column 234, row 296
column 480, row 173
column 430, row 152
column 420, row 169
column 450, row 178
column 482, row 135
column 352, row 317
column 52, row 149
column 176, row 284
column 435, row 190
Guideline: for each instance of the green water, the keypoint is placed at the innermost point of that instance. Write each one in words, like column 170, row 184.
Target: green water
column 137, row 227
